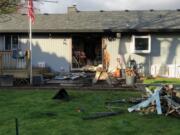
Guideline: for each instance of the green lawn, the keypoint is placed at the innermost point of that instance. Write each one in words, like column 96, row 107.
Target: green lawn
column 163, row 80
column 38, row 114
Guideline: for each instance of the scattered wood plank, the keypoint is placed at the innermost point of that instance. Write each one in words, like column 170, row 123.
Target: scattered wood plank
column 100, row 115
column 172, row 106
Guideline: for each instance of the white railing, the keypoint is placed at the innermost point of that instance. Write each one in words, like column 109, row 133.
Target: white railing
column 171, row 71
column 7, row 61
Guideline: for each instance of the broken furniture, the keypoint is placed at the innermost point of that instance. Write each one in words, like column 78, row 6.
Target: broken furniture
column 102, row 75
column 79, row 58
column 102, row 72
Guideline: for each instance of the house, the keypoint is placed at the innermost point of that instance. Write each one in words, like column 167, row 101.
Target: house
column 72, row 40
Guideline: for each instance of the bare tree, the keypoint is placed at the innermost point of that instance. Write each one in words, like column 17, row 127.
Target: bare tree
column 8, row 6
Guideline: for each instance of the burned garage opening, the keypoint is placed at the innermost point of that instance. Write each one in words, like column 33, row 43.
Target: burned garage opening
column 86, row 50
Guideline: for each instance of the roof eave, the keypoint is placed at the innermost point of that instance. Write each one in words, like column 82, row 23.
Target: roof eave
column 90, row 30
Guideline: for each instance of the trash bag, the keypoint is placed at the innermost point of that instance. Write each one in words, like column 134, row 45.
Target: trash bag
column 62, row 95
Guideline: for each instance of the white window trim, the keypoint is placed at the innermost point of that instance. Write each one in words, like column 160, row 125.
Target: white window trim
column 141, row 51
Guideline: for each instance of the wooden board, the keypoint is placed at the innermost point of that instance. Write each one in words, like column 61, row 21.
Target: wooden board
column 17, row 73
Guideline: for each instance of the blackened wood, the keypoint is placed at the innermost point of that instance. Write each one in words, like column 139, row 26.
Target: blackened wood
column 100, row 115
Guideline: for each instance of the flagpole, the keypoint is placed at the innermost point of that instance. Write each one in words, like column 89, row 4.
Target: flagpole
column 30, row 46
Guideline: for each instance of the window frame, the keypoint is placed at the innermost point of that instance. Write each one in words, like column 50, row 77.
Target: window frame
column 141, row 51
column 5, row 43
column 11, row 46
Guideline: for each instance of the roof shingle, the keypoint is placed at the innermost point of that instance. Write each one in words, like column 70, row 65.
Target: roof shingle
column 94, row 21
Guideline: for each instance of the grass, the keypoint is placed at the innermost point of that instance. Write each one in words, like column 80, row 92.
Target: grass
column 163, row 80
column 38, row 114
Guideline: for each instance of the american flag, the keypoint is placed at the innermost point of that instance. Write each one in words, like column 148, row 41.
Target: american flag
column 31, row 11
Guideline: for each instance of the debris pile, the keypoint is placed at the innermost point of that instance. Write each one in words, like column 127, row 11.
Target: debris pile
column 71, row 79
column 163, row 100
column 130, row 72
column 71, row 76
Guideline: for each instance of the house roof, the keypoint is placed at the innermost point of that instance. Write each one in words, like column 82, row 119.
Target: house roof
column 95, row 21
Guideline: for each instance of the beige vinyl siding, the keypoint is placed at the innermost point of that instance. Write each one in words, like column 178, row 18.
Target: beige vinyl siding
column 165, row 48
column 164, row 55
column 125, row 51
column 54, row 52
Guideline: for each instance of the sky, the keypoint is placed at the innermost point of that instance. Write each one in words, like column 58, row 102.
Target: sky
column 60, row 6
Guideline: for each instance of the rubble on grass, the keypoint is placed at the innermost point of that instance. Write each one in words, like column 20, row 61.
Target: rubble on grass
column 164, row 100
column 98, row 115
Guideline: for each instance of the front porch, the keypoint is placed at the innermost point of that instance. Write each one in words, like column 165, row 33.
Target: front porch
column 18, row 68
column 14, row 67
column 12, row 64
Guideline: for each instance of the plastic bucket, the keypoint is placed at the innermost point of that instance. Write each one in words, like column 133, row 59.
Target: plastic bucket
column 130, row 80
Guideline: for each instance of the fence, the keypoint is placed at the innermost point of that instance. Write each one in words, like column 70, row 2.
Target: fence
column 172, row 70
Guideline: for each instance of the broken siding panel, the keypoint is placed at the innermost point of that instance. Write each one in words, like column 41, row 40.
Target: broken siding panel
column 54, row 52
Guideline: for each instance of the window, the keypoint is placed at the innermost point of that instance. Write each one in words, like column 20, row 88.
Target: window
column 7, row 43
column 11, row 42
column 14, row 42
column 141, row 44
